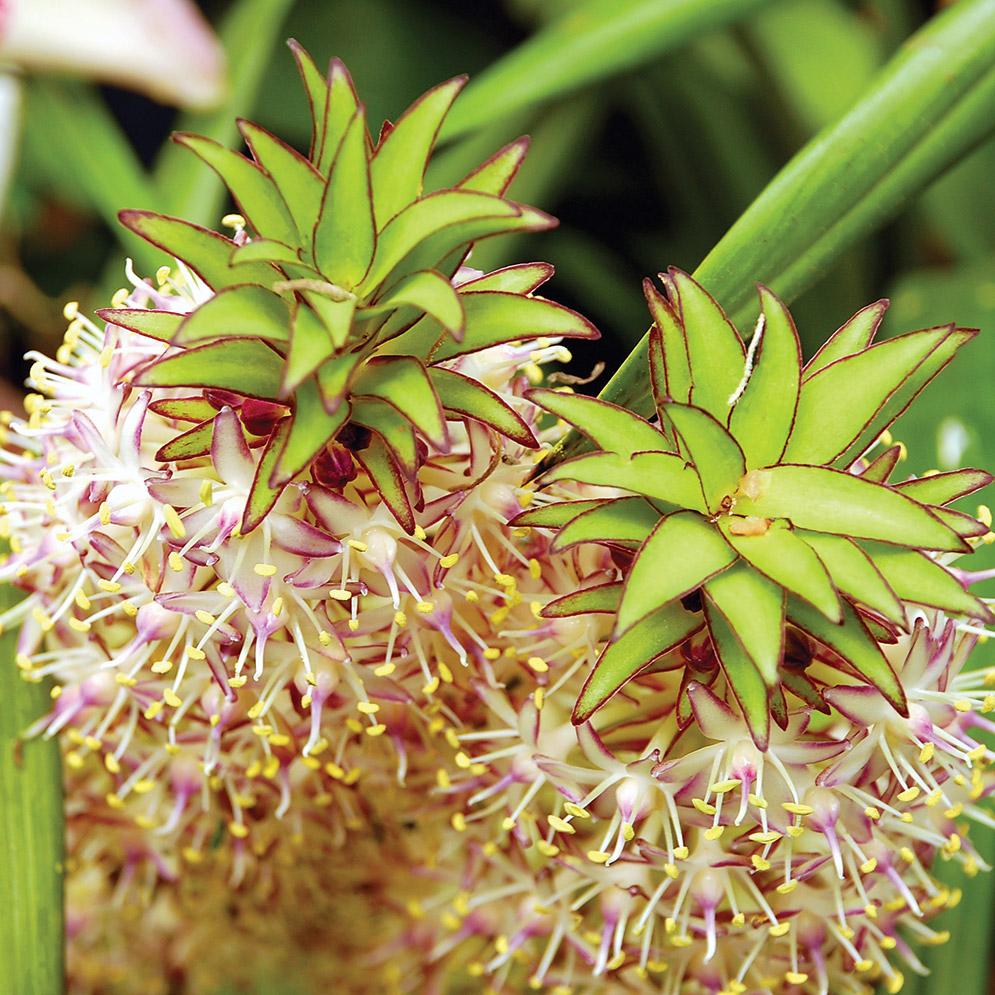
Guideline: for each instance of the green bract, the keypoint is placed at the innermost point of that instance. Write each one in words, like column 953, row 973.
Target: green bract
column 342, row 307
column 754, row 510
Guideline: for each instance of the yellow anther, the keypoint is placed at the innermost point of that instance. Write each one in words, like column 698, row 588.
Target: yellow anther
column 547, row 849
column 194, row 653
column 385, row 669
column 492, row 654
column 926, row 753
column 203, row 616
column 431, row 687
column 70, row 310
column 781, row 929
column 111, row 763
column 238, row 829
column 721, row 787
column 759, row 863
column 233, row 221
column 538, row 664
column 79, row 625
column 237, row 682
column 338, row 594
column 576, row 810
column 458, row 822
column 714, row 833
column 153, row 710
column 264, row 569
column 368, row 707
column 909, row 794
column 110, row 586
column 175, row 562
column 765, row 838
column 173, row 522
column 425, row 607
column 872, row 813
column 869, row 866
column 449, row 561
column 400, row 619
column 795, row 978
column 539, row 697
column 786, row 887
column 962, row 705
column 561, row 825
column 420, row 534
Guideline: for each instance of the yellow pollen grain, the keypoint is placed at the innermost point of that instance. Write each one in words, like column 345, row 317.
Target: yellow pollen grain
column 425, row 607
column 458, row 822
column 400, row 619
column 472, row 597
column 175, row 562
column 431, row 687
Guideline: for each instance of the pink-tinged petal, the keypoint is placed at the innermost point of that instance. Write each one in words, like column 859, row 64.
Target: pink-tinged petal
column 595, row 750
column 229, row 451
column 180, row 492
column 300, row 538
column 811, row 751
column 337, row 514
column 162, row 47
column 863, row 705
column 715, row 718
column 131, row 429
column 86, row 437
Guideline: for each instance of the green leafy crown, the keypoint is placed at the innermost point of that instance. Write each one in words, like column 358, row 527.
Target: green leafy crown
column 342, row 306
column 755, row 516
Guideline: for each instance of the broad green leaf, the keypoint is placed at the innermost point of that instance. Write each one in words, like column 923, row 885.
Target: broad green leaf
column 395, row 430
column 741, row 673
column 195, row 409
column 753, row 607
column 161, row 325
column 494, row 317
column 916, row 577
column 207, row 253
column 659, row 476
column 880, row 468
column 553, row 516
column 853, row 336
column 784, row 558
column 625, row 520
column 263, row 250
column 715, row 351
column 762, row 418
column 424, row 218
column 312, row 427
column 623, row 658
column 195, row 442
column 403, row 382
column 251, row 189
column 316, row 88
column 521, row 278
column 716, row 456
column 299, row 184
column 247, row 311
column 942, row 488
column 838, row 403
column 386, row 477
column 855, row 575
column 345, row 236
column 428, row 291
column 676, row 382
column 262, row 496
column 340, row 108
column 494, row 175
column 32, row 826
column 398, row 165
column 310, row 346
column 602, row 599
column 334, row 376
column 593, row 41
column 683, row 551
column 610, row 428
column 854, row 644
column 245, row 366
column 908, row 392
column 463, row 396
column 826, row 500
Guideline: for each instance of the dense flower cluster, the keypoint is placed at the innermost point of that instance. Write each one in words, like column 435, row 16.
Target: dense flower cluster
column 351, row 746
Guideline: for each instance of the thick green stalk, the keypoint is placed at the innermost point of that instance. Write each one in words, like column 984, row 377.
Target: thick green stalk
column 929, row 106
column 31, row 836
column 598, row 39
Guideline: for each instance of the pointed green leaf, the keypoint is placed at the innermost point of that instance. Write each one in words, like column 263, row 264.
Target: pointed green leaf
column 494, row 317
column 627, row 521
column 341, row 107
column 855, row 575
column 246, row 366
column 553, row 516
column 682, row 552
column 853, row 336
column 251, row 189
column 428, row 291
column 494, row 176
column 659, row 476
column 161, row 325
column 854, row 644
column 207, row 253
column 717, row 458
column 675, row 384
column 964, row 525
column 385, row 475
column 623, row 658
column 762, row 418
column 392, row 427
column 246, row 312
column 879, row 469
column 521, row 278
column 826, row 500
column 942, row 488
column 262, row 496
column 345, row 236
column 784, row 558
column 611, row 428
column 316, row 88
column 715, row 351
column 398, row 166
column 753, row 607
column 462, row 396
column 312, row 427
column 195, row 442
column 334, row 376
column 310, row 346
column 336, row 316
column 424, row 218
column 749, row 687
column 600, row 600
column 195, row 409
column 837, row 404
column 403, row 383
column 798, row 683
column 916, row 577
column 264, row 250
column 299, row 184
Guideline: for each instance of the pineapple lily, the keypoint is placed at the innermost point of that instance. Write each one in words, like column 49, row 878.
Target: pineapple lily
column 754, row 513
